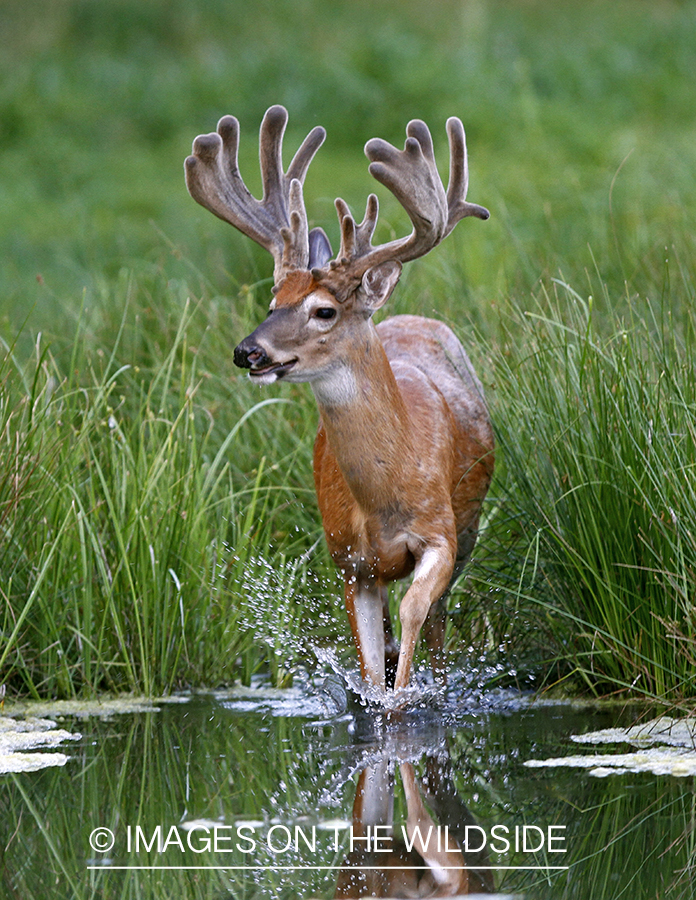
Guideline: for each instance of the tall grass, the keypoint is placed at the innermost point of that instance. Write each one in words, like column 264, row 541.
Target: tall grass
column 129, row 537
column 597, row 521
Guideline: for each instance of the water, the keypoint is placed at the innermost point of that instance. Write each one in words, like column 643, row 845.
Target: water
column 256, row 792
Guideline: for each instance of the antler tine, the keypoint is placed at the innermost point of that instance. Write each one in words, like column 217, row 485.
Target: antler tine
column 356, row 243
column 346, row 251
column 278, row 222
column 305, row 154
column 366, row 228
column 296, row 236
column 270, row 159
column 459, row 178
column 355, row 239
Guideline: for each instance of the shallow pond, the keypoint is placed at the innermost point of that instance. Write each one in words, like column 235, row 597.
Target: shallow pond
column 255, row 792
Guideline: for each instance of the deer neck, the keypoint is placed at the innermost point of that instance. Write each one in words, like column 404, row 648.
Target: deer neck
column 366, row 422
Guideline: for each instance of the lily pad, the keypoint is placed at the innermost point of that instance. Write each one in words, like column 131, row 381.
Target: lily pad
column 101, row 707
column 30, row 762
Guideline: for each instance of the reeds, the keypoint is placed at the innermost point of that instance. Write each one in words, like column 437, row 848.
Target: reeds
column 595, row 530
column 129, row 535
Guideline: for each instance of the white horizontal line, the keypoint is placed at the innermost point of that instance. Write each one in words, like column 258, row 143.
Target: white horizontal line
column 341, row 868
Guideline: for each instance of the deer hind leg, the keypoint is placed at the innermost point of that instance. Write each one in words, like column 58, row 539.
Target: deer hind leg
column 430, row 581
column 365, row 608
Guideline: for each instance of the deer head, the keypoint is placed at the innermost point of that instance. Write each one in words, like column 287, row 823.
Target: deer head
column 320, row 300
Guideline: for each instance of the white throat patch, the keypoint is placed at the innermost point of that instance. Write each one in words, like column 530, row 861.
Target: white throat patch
column 337, row 387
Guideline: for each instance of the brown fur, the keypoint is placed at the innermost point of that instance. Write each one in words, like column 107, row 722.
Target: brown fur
column 404, row 468
column 294, row 288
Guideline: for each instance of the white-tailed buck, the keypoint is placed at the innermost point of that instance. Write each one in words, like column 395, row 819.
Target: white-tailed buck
column 404, row 452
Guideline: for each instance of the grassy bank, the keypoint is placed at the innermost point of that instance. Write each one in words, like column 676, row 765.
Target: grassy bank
column 152, row 503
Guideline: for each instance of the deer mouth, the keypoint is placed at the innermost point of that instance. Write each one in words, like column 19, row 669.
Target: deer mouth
column 272, row 372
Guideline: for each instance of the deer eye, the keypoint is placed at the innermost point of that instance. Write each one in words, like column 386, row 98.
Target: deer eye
column 325, row 312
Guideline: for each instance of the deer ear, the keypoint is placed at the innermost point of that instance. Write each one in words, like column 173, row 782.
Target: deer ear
column 320, row 251
column 378, row 283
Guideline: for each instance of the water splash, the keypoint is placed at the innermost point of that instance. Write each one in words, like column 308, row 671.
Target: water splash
column 421, row 693
column 275, row 598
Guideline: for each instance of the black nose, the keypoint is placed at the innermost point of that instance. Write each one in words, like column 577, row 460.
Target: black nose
column 248, row 354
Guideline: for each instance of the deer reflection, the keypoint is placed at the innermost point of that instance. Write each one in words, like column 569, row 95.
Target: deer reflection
column 424, row 856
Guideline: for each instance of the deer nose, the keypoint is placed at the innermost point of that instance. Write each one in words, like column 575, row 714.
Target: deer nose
column 247, row 353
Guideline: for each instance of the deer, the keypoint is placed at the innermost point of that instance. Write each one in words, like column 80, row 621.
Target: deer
column 404, row 450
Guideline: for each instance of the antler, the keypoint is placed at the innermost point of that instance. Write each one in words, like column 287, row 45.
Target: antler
column 411, row 175
column 278, row 222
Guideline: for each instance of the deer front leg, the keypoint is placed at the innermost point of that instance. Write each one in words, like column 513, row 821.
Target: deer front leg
column 374, row 796
column 430, row 581
column 365, row 608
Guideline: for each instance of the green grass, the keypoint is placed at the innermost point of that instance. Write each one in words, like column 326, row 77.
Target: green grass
column 130, row 538
column 145, row 489
column 596, row 428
